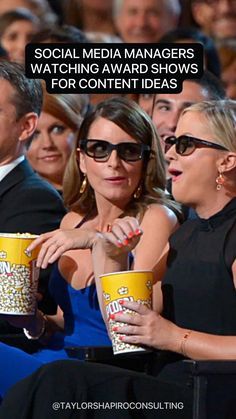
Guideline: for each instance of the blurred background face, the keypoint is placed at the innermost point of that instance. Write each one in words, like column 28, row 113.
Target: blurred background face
column 15, row 38
column 50, row 148
column 144, row 20
column 216, row 17
column 100, row 5
column 229, row 80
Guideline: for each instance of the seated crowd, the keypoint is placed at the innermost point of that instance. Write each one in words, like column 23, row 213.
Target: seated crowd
column 111, row 183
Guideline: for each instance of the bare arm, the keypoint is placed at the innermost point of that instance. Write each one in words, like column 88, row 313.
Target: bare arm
column 149, row 252
column 151, row 329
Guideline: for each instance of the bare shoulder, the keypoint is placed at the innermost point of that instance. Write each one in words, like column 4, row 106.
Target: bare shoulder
column 70, row 220
column 160, row 214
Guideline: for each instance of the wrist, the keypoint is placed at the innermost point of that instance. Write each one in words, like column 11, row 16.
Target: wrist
column 183, row 343
column 38, row 329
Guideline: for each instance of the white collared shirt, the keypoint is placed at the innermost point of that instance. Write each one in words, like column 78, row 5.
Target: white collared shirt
column 7, row 168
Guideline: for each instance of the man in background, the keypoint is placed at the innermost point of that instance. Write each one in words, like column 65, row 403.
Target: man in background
column 217, row 18
column 165, row 108
column 28, row 203
column 145, row 20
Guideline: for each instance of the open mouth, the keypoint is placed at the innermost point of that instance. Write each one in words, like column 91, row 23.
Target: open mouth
column 175, row 174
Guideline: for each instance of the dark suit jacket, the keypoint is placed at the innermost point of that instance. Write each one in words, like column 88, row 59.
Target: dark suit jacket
column 28, row 204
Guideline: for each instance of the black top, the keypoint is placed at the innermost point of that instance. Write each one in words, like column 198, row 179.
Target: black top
column 198, row 288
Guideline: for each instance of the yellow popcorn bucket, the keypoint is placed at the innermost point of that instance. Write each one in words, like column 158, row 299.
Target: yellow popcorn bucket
column 18, row 274
column 130, row 286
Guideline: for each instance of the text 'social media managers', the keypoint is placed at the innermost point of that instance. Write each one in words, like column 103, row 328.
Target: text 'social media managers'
column 117, row 68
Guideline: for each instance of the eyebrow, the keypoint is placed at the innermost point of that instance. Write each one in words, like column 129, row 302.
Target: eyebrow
column 169, row 102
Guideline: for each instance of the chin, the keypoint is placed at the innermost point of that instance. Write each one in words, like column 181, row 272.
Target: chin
column 179, row 196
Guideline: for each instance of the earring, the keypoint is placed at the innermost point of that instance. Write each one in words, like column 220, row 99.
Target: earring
column 83, row 185
column 220, row 180
column 138, row 192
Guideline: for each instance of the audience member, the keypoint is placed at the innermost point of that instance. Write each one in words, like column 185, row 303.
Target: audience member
column 227, row 54
column 16, row 30
column 40, row 8
column 201, row 267
column 217, row 18
column 28, row 204
column 211, row 57
column 60, row 34
column 90, row 15
column 117, row 170
column 145, row 21
column 55, row 135
column 165, row 109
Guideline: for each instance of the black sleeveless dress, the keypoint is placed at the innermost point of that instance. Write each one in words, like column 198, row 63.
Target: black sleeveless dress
column 198, row 288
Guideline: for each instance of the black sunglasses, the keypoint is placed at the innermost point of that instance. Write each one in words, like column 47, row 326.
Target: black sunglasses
column 185, row 144
column 100, row 150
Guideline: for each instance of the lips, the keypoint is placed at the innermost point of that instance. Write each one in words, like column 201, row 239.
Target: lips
column 175, row 174
column 116, row 180
column 50, row 157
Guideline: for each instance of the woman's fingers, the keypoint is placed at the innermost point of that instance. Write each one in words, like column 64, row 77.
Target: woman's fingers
column 41, row 239
column 125, row 229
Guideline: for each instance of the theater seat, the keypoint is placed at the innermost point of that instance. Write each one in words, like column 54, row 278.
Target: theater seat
column 214, row 384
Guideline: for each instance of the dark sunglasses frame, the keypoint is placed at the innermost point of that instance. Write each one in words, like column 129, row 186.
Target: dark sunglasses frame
column 184, row 142
column 143, row 150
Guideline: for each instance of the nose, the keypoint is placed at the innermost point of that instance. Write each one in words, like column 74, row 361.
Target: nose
column 46, row 141
column 171, row 154
column 141, row 20
column 114, row 159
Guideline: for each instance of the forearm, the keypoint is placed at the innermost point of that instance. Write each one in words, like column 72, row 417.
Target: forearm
column 203, row 346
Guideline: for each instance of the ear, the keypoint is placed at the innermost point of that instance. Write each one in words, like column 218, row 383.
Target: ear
column 28, row 125
column 228, row 163
column 81, row 160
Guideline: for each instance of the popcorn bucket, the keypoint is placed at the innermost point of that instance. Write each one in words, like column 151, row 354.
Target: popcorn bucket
column 130, row 286
column 18, row 274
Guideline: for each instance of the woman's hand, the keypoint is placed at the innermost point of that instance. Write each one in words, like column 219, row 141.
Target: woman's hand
column 146, row 327
column 55, row 243
column 124, row 234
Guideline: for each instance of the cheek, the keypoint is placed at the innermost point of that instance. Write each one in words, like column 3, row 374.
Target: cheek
column 65, row 143
column 71, row 138
column 155, row 23
column 159, row 118
column 33, row 151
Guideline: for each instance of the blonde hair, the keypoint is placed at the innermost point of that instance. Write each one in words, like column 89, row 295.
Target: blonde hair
column 221, row 117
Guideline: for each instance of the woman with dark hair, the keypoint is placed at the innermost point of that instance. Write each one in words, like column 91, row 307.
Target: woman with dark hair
column 116, row 170
column 17, row 27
